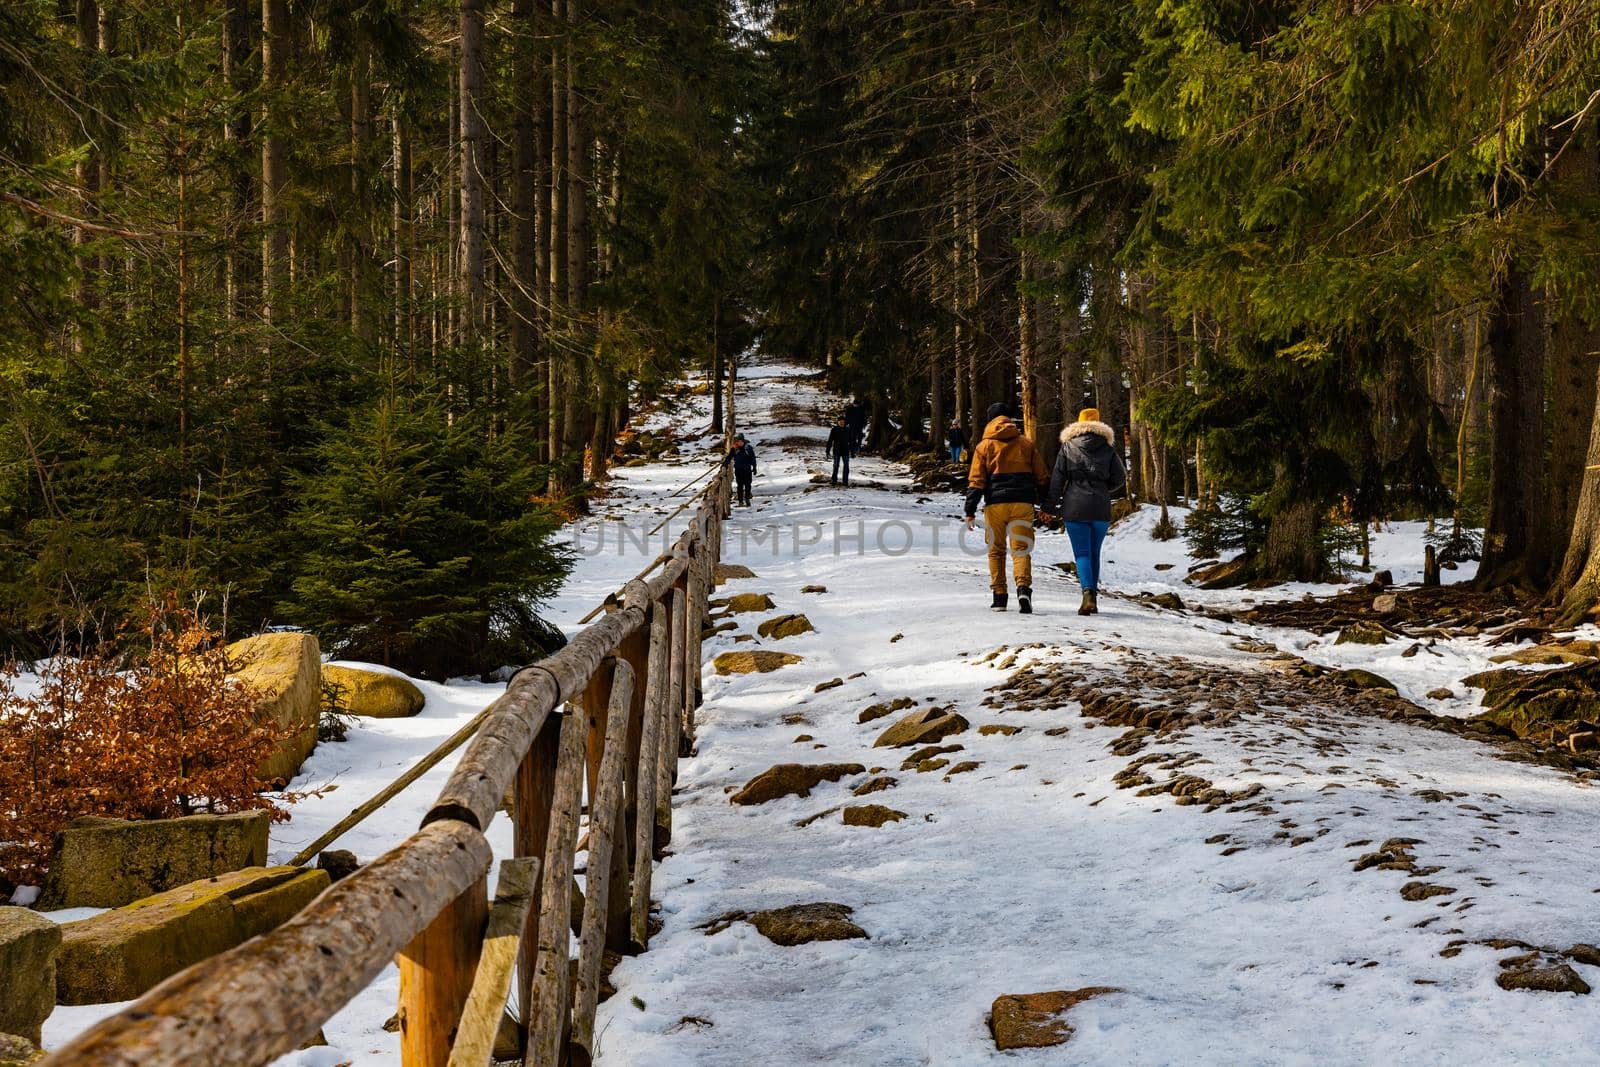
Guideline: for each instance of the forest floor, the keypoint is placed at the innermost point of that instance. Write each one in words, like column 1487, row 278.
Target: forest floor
column 1267, row 865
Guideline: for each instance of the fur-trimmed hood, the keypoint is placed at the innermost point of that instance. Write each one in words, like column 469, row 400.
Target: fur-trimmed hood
column 1079, row 429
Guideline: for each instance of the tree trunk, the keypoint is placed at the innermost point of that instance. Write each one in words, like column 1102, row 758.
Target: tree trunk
column 236, row 53
column 716, row 364
column 578, row 411
column 472, row 169
column 1027, row 349
column 561, row 380
column 87, row 170
column 275, row 237
column 1579, row 580
column 1515, row 548
column 362, row 319
column 523, row 332
column 1292, row 552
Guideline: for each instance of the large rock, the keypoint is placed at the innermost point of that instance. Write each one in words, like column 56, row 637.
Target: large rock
column 781, row 626
column 759, row 661
column 374, row 694
column 871, row 815
column 801, row 924
column 120, row 954
column 1034, row 1020
column 1362, row 633
column 792, row 779
column 725, row 572
column 286, row 670
column 106, row 863
column 28, row 946
column 921, row 728
column 1558, row 978
column 743, row 602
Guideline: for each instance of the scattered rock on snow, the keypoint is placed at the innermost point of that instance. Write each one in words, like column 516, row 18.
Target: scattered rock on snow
column 1362, row 633
column 792, row 779
column 1170, row 601
column 374, row 694
column 724, row 572
column 878, row 711
column 927, row 752
column 1441, row 694
column 874, row 785
column 797, row 924
column 813, row 589
column 871, row 815
column 1034, row 1020
column 744, row 602
column 1424, row 890
column 782, row 626
column 963, row 767
column 921, row 727
column 823, row 687
column 1559, row 978
column 758, row 662
column 990, row 729
column 1360, row 679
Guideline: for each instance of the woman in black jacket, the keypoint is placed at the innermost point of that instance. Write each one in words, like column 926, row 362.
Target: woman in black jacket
column 1088, row 474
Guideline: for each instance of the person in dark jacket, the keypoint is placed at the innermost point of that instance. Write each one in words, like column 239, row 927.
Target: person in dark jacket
column 855, row 421
column 1088, row 474
column 1008, row 477
column 841, row 443
column 955, row 439
column 743, row 458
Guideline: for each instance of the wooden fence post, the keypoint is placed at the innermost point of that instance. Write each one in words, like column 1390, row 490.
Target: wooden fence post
column 436, row 971
column 668, row 752
column 531, row 799
column 549, row 1002
column 607, row 847
column 508, row 921
column 648, row 778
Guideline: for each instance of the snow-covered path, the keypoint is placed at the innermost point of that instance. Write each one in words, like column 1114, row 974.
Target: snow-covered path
column 1241, row 935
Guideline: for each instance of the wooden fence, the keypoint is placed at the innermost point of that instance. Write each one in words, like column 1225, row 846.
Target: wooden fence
column 606, row 716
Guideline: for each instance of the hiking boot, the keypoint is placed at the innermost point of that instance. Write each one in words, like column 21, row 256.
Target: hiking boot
column 999, row 602
column 1088, row 607
column 1025, row 599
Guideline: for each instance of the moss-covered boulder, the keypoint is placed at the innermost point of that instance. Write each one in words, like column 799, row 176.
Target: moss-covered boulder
column 741, row 603
column 1537, row 702
column 1362, row 633
column 921, row 728
column 28, row 946
column 758, row 661
column 286, row 670
column 1356, row 678
column 106, row 863
column 374, row 694
column 782, row 626
column 120, row 954
column 792, row 779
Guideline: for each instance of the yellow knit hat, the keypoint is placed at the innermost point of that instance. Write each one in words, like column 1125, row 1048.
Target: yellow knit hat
column 1089, row 415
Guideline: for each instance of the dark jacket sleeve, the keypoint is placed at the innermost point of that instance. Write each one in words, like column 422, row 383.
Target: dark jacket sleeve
column 977, row 480
column 752, row 459
column 827, row 449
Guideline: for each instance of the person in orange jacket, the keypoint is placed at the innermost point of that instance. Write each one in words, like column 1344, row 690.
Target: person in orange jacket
column 1009, row 478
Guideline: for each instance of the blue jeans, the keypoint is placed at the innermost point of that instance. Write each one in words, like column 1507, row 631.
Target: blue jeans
column 1087, row 537
column 955, row 453
column 841, row 459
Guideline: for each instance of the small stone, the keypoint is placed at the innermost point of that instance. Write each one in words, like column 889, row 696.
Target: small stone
column 792, row 779
column 1362, row 633
column 1386, row 604
column 823, row 687
column 874, row 785
column 871, row 815
column 813, row 589
column 1170, row 601
column 963, row 767
column 878, row 711
column 339, row 863
column 17, row 1051
column 803, row 737
column 990, row 729
column 928, row 766
column 896, row 637
column 927, row 752
column 724, row 572
column 1554, row 979
column 1034, row 1020
column 1441, row 694
column 744, row 602
column 1357, row 678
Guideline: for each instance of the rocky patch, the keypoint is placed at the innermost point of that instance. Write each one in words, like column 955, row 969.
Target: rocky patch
column 1036, row 1020
column 792, row 779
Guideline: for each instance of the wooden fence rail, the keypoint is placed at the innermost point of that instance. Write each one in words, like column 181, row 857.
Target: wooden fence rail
column 608, row 717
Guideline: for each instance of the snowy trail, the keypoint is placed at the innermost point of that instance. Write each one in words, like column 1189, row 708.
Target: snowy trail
column 1241, row 935
column 1238, row 936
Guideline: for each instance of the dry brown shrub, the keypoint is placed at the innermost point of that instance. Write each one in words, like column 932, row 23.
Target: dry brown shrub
column 156, row 734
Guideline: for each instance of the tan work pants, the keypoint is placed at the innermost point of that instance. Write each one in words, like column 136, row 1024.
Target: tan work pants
column 1009, row 525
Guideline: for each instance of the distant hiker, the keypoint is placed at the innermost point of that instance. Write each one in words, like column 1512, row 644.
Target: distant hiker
column 743, row 458
column 955, row 439
column 1088, row 474
column 840, row 445
column 855, row 421
column 1008, row 476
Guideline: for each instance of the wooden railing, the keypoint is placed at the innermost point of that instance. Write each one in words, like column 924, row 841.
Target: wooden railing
column 608, row 715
